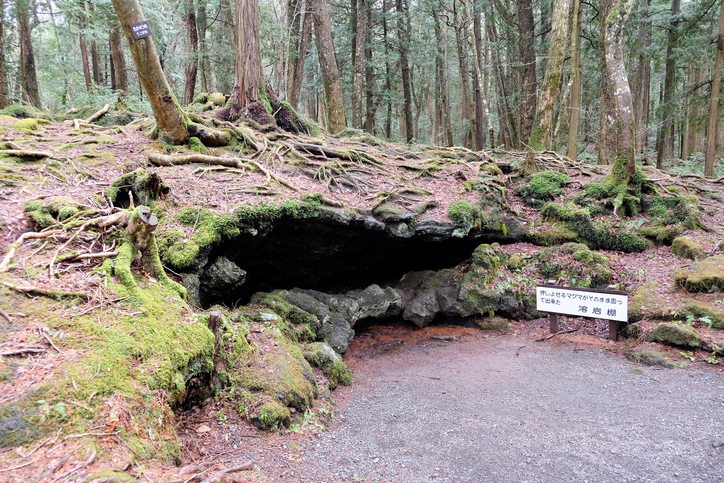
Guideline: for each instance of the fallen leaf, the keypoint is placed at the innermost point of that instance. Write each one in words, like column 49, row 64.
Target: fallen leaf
column 203, row 429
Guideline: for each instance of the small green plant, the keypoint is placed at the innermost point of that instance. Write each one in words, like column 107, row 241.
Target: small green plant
column 686, row 355
column 707, row 320
column 712, row 360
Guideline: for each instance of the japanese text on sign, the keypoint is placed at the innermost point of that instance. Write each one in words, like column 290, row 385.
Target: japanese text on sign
column 140, row 30
column 603, row 305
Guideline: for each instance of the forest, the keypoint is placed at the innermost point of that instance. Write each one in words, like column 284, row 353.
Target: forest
column 481, row 74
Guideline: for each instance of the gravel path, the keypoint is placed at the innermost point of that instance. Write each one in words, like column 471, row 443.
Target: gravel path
column 509, row 409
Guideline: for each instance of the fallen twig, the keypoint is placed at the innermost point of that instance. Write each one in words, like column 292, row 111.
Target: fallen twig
column 79, row 467
column 6, row 315
column 550, row 336
column 98, row 115
column 216, row 476
column 53, row 468
column 49, row 341
column 24, row 350
column 55, row 294
column 13, row 248
column 70, row 436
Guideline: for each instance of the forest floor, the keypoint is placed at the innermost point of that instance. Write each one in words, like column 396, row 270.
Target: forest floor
column 424, row 403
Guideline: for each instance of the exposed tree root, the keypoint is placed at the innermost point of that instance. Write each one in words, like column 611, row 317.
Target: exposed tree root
column 165, row 160
column 13, row 248
column 28, row 153
column 54, row 294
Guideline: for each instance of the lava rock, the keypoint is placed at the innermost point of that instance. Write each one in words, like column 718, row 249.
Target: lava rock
column 675, row 335
column 221, row 275
column 704, row 276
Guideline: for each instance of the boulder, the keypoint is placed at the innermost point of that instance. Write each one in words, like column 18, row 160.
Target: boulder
column 685, row 247
column 223, row 274
column 704, row 276
column 675, row 335
column 323, row 356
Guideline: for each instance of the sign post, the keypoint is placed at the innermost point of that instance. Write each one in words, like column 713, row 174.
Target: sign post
column 609, row 304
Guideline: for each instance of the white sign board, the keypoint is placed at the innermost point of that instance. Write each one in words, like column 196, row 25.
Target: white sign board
column 610, row 305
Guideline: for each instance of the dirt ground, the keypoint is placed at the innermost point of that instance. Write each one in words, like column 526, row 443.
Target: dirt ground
column 454, row 404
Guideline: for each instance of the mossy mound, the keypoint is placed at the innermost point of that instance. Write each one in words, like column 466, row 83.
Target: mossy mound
column 558, row 235
column 321, row 355
column 19, row 423
column 487, row 258
column 649, row 357
column 596, row 234
column 646, row 302
column 48, row 212
column 704, row 276
column 675, row 335
column 685, row 247
column 360, row 136
column 295, row 322
column 24, row 112
column 542, row 187
column 516, row 261
column 118, row 118
column 272, row 415
column 662, row 235
column 29, row 125
column 147, row 188
column 288, row 119
column 711, row 314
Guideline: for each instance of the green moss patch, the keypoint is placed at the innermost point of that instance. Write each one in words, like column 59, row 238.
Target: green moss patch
column 685, row 247
column 147, row 188
column 29, row 125
column 649, row 357
column 675, row 335
column 321, row 355
column 24, row 112
column 542, row 187
column 704, row 276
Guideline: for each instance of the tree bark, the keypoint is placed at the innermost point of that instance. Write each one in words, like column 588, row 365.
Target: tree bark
column 249, row 79
column 359, row 64
column 371, row 101
column 507, row 121
column 550, row 89
column 328, row 65
column 575, row 106
column 168, row 113
column 642, row 95
column 27, row 56
column 202, row 23
column 461, row 41
column 96, row 64
column 665, row 141
column 526, row 44
column 4, row 101
column 84, row 49
column 620, row 120
column 442, row 89
column 193, row 38
column 403, row 28
column 388, row 74
column 478, row 94
column 120, row 73
column 714, row 102
column 300, row 33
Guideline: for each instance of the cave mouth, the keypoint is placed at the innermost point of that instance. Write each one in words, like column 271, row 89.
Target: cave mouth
column 330, row 257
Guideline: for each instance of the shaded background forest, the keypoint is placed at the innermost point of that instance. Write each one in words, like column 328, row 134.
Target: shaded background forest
column 475, row 68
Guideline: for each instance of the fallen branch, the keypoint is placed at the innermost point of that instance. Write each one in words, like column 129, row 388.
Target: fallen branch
column 71, row 257
column 24, row 350
column 54, row 294
column 77, row 468
column 6, row 316
column 49, row 341
column 550, row 336
column 53, row 468
column 98, row 114
column 216, row 476
column 28, row 153
column 13, row 248
column 166, row 160
column 91, row 434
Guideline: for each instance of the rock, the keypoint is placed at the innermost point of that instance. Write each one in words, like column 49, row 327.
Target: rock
column 675, row 335
column 223, row 274
column 704, row 276
column 419, row 297
column 712, row 314
column 390, row 213
column 296, row 386
column 485, row 257
column 266, row 317
column 648, row 357
column 646, row 302
column 16, row 426
column 685, row 247
column 373, row 302
column 271, row 415
column 323, row 356
column 434, row 230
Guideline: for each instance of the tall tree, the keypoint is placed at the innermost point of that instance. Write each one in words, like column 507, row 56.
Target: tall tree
column 461, row 42
column 83, row 47
column 359, row 63
column 526, row 45
column 575, row 106
column 27, row 56
column 249, row 80
column 202, row 23
column 642, row 94
column 166, row 110
column 403, row 31
column 120, row 74
column 328, row 65
column 193, row 38
column 714, row 101
column 620, row 127
column 4, row 101
column 665, row 141
column 442, row 94
column 550, row 89
column 299, row 20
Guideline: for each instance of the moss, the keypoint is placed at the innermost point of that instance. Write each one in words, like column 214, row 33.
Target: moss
column 19, row 424
column 675, row 335
column 273, row 415
column 111, row 475
column 201, row 98
column 597, row 191
column 147, row 187
column 465, row 217
column 45, row 213
column 703, row 276
column 649, row 357
column 24, row 112
column 685, row 247
column 646, row 302
column 29, row 125
column 542, row 187
column 670, row 210
column 321, row 355
column 195, row 145
column 699, row 309
column 492, row 169
column 360, row 136
column 596, row 235
column 557, row 235
column 485, row 257
column 516, row 261
column 662, row 235
column 297, row 324
column 589, row 258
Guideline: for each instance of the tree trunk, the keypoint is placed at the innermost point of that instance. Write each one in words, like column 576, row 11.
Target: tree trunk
column 27, row 56
column 84, row 49
column 643, row 84
column 403, row 28
column 442, row 90
column 620, row 120
column 300, row 24
column 550, row 89
column 370, row 85
column 665, row 142
column 714, row 102
column 359, row 64
column 461, row 41
column 526, row 45
column 575, row 106
column 328, row 65
column 168, row 113
column 249, row 79
column 95, row 63
column 507, row 120
column 119, row 61
column 202, row 23
column 478, row 96
column 193, row 37
column 388, row 74
column 4, row 101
